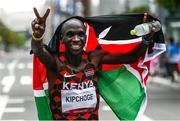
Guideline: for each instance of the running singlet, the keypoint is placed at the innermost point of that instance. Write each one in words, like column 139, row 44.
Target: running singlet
column 74, row 95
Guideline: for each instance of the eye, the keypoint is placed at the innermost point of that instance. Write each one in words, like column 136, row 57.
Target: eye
column 70, row 34
column 82, row 34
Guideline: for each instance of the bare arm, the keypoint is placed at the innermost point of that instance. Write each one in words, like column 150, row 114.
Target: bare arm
column 121, row 58
column 38, row 28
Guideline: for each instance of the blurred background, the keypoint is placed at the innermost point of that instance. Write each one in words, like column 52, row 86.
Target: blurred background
column 16, row 95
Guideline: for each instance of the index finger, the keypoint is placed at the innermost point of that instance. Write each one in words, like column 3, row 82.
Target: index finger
column 145, row 18
column 36, row 13
column 46, row 14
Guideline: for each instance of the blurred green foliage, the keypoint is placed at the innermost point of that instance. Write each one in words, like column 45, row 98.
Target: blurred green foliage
column 21, row 39
column 140, row 9
column 10, row 38
column 171, row 5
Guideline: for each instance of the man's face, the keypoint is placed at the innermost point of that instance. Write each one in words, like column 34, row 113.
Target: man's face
column 73, row 36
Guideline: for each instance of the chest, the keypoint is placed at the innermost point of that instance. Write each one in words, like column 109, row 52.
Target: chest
column 82, row 78
column 69, row 77
column 74, row 91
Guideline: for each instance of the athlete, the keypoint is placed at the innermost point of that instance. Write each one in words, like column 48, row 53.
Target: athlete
column 72, row 75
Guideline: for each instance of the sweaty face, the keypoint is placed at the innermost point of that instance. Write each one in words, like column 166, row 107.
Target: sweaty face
column 73, row 36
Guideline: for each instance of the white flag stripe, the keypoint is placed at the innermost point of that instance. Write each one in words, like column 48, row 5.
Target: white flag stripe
column 87, row 36
column 45, row 86
column 39, row 93
column 106, row 108
column 130, row 41
column 101, row 99
column 157, row 50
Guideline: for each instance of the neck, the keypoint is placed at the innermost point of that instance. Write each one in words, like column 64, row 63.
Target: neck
column 74, row 60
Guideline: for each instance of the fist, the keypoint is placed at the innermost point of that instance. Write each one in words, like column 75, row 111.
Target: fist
column 148, row 39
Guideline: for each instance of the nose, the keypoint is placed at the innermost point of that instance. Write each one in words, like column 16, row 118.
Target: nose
column 76, row 38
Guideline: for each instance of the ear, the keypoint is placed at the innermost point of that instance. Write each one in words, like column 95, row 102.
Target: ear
column 62, row 40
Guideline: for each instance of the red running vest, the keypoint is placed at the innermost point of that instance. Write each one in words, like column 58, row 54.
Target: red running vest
column 74, row 95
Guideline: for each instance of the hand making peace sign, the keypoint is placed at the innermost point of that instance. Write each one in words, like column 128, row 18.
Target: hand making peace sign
column 39, row 23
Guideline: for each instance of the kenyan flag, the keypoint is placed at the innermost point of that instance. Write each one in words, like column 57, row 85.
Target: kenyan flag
column 123, row 86
column 40, row 86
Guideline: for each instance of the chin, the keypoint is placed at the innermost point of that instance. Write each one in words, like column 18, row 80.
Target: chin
column 76, row 52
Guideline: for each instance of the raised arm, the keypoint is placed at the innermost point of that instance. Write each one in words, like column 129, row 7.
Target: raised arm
column 38, row 29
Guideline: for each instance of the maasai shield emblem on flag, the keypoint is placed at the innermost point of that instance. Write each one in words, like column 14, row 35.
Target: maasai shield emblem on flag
column 123, row 86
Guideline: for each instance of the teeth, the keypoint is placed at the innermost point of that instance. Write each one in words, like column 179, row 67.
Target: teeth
column 76, row 47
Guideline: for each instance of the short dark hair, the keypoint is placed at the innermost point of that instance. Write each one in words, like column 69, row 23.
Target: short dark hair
column 54, row 43
column 73, row 19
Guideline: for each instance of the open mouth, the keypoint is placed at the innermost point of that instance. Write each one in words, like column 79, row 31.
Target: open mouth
column 75, row 46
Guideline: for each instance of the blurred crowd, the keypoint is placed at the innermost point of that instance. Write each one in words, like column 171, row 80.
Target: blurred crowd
column 168, row 65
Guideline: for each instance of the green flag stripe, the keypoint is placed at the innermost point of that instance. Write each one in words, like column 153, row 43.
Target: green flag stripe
column 122, row 91
column 43, row 109
column 134, row 72
column 142, row 109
